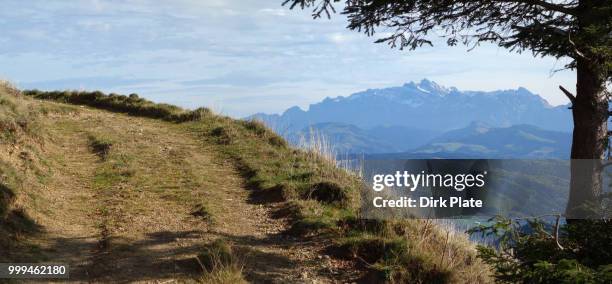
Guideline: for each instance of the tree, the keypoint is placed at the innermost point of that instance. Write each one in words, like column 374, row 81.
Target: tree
column 576, row 29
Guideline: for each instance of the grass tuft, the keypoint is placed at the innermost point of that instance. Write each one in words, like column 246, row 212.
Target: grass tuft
column 222, row 134
column 328, row 192
column 203, row 211
column 220, row 264
column 100, row 145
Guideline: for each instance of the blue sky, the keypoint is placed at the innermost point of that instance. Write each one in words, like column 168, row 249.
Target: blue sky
column 235, row 56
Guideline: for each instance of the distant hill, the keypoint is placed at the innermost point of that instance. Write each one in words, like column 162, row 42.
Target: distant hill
column 349, row 139
column 426, row 105
column 480, row 140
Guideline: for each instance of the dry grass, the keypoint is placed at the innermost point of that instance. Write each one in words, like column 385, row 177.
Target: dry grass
column 17, row 118
column 20, row 166
column 317, row 145
column 220, row 264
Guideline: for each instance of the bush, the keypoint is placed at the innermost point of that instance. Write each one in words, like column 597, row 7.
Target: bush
column 537, row 251
column 132, row 104
column 195, row 115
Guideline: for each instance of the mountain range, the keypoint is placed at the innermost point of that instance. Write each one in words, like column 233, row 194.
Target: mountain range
column 425, row 118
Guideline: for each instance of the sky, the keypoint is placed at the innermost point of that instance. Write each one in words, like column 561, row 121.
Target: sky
column 238, row 57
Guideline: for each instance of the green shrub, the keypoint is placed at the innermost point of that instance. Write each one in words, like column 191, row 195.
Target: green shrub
column 536, row 251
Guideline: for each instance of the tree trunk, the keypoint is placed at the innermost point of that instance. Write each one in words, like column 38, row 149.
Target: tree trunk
column 589, row 142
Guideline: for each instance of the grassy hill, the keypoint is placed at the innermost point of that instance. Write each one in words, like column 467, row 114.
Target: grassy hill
column 124, row 189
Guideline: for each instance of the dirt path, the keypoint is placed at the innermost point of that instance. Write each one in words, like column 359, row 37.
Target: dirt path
column 71, row 234
column 127, row 217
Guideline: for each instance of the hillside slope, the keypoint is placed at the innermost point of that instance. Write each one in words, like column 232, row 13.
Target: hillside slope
column 167, row 194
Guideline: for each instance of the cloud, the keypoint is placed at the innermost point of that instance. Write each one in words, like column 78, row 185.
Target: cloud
column 232, row 52
column 87, row 83
column 275, row 12
column 238, row 79
column 341, row 38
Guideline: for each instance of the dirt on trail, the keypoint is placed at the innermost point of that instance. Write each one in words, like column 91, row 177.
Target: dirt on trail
column 128, row 217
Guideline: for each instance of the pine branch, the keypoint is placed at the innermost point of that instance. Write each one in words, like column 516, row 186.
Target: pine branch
column 547, row 5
